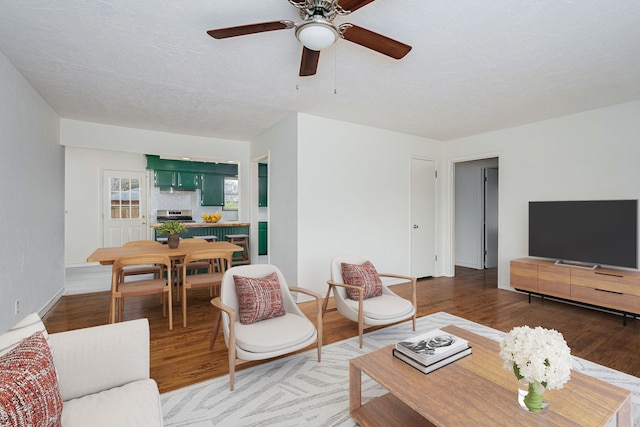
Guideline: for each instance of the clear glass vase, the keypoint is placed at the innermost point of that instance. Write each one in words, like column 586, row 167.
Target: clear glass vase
column 530, row 396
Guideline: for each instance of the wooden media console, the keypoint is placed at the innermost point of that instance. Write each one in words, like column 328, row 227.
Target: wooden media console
column 617, row 290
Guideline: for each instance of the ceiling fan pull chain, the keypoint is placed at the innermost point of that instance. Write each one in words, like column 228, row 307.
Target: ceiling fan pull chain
column 335, row 70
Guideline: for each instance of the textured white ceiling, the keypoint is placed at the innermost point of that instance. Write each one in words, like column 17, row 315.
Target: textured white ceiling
column 476, row 65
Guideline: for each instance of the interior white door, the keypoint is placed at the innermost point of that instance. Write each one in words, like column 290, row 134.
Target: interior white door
column 490, row 217
column 124, row 207
column 423, row 218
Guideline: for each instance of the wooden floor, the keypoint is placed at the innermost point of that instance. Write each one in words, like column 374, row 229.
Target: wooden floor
column 182, row 356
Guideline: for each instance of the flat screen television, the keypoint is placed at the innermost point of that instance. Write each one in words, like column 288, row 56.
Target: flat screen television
column 594, row 231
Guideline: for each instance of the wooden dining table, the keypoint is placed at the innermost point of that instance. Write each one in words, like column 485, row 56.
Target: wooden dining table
column 107, row 256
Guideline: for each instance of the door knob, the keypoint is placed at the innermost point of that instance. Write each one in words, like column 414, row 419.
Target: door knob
column 143, row 222
column 415, row 226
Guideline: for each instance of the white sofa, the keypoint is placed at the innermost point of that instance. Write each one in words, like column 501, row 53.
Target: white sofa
column 103, row 372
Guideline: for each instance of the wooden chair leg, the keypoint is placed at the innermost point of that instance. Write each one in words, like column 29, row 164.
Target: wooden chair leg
column 232, row 352
column 319, row 329
column 326, row 300
column 163, row 298
column 170, row 298
column 184, row 306
column 120, row 307
column 112, row 310
column 360, row 314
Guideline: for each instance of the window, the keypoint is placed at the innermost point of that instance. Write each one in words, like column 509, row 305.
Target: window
column 125, row 198
column 230, row 193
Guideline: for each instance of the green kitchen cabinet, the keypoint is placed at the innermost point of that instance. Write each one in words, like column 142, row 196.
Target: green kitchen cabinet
column 164, row 179
column 262, row 238
column 188, row 180
column 262, row 184
column 177, row 180
column 211, row 190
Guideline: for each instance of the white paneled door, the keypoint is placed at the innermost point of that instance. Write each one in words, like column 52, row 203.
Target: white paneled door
column 423, row 217
column 124, row 207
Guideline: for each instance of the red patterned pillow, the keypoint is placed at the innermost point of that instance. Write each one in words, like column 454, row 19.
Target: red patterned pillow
column 363, row 275
column 258, row 298
column 29, row 392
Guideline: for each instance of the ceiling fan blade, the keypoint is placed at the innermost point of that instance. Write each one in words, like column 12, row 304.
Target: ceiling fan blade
column 309, row 63
column 375, row 41
column 223, row 33
column 352, row 5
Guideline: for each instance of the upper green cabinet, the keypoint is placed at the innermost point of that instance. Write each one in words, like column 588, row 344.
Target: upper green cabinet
column 212, row 190
column 262, row 184
column 187, row 175
column 188, row 180
column 164, row 179
column 178, row 180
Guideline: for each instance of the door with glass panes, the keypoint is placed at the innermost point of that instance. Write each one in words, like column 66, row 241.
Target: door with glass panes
column 124, row 207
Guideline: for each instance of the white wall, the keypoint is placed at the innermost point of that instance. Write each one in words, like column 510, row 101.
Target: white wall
column 354, row 196
column 83, row 197
column 32, row 187
column 280, row 144
column 591, row 155
column 468, row 212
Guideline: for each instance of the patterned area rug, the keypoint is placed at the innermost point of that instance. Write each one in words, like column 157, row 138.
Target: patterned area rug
column 299, row 391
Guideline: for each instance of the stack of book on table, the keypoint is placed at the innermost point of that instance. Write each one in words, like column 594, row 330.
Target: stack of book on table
column 432, row 350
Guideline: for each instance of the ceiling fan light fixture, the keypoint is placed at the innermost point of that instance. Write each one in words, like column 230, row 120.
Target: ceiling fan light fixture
column 317, row 34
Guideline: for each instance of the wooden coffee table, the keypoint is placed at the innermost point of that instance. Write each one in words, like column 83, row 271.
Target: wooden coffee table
column 475, row 390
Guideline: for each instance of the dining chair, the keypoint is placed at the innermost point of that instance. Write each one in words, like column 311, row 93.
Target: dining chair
column 361, row 296
column 260, row 319
column 145, row 269
column 120, row 288
column 178, row 264
column 211, row 264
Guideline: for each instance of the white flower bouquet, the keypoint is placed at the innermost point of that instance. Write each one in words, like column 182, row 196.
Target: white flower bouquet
column 539, row 356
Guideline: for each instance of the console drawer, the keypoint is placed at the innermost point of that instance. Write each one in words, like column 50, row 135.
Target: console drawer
column 554, row 281
column 606, row 298
column 621, row 282
column 524, row 276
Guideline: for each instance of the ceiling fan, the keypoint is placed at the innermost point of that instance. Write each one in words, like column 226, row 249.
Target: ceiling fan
column 317, row 31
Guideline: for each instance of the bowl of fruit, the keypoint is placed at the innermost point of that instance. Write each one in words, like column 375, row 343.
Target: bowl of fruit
column 211, row 217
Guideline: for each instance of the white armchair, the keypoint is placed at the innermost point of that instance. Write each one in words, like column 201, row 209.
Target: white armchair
column 385, row 309
column 269, row 338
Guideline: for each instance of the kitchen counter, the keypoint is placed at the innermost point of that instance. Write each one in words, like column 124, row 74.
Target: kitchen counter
column 207, row 224
column 219, row 230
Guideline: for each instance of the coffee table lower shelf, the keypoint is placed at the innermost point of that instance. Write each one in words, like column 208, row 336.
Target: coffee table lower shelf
column 388, row 410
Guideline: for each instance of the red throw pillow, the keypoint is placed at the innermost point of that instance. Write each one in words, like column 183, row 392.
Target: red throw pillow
column 258, row 298
column 29, row 392
column 363, row 275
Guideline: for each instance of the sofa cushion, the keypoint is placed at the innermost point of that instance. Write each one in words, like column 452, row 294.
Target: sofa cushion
column 258, row 298
column 134, row 404
column 90, row 360
column 22, row 330
column 364, row 276
column 29, row 393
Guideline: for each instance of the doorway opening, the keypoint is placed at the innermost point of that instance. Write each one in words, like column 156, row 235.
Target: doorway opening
column 262, row 204
column 476, row 197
